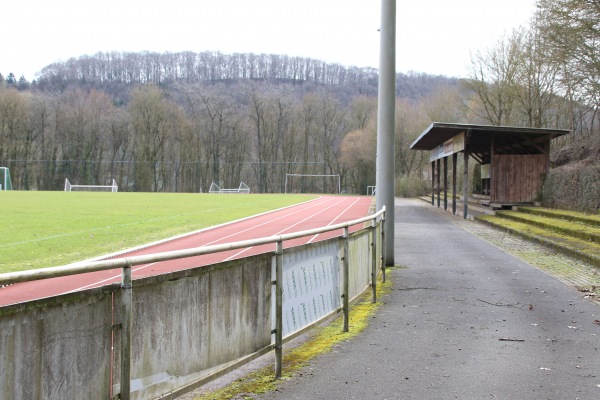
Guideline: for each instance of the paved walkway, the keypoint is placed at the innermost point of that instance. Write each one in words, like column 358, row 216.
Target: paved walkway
column 464, row 320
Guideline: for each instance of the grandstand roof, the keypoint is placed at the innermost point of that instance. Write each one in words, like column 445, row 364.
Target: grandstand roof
column 505, row 139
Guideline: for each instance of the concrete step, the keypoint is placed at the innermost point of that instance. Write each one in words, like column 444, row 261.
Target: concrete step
column 582, row 249
column 588, row 219
column 554, row 223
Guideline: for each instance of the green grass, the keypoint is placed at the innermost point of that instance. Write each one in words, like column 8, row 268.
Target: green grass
column 576, row 216
column 44, row 229
column 554, row 222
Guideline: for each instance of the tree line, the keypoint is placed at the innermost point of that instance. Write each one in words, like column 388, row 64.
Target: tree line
column 177, row 139
column 93, row 119
column 158, row 68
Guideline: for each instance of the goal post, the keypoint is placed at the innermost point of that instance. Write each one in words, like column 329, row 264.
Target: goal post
column 334, row 179
column 69, row 187
column 214, row 188
column 243, row 188
column 5, row 182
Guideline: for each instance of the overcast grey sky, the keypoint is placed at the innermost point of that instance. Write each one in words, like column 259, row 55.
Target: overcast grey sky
column 433, row 36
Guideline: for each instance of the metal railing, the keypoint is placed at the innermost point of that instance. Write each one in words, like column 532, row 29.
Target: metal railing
column 126, row 264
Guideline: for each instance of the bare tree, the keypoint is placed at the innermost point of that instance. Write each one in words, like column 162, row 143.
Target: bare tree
column 307, row 120
column 331, row 128
column 362, row 111
column 150, row 123
column 492, row 77
column 284, row 143
column 257, row 116
column 410, row 122
column 571, row 33
column 15, row 133
column 358, row 150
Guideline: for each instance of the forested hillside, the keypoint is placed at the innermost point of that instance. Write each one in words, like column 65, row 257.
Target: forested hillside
column 180, row 121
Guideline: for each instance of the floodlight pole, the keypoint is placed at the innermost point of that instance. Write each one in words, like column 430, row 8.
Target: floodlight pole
column 386, row 115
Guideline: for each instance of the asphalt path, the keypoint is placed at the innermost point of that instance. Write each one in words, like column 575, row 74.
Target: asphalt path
column 464, row 320
column 325, row 211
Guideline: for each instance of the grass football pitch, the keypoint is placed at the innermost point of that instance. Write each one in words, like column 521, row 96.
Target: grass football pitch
column 45, row 229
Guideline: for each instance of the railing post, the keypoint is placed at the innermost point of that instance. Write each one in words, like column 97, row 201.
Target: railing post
column 383, row 261
column 126, row 311
column 346, row 288
column 278, row 308
column 373, row 236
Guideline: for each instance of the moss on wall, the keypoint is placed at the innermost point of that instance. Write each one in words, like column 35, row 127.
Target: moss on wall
column 574, row 186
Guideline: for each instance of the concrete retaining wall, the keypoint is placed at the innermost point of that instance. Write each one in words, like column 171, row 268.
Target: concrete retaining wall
column 186, row 325
column 57, row 349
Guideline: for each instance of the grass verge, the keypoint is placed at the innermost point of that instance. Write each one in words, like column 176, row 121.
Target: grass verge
column 44, row 229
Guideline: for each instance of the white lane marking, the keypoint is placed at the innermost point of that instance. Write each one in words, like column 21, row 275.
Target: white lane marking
column 97, row 283
column 333, row 220
column 270, row 221
column 238, row 232
column 299, row 222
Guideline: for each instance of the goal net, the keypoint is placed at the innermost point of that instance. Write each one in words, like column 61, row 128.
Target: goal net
column 214, row 188
column 307, row 183
column 5, row 183
column 69, row 187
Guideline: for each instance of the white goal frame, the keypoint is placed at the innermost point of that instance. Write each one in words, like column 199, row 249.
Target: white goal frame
column 243, row 189
column 315, row 176
column 6, row 183
column 113, row 188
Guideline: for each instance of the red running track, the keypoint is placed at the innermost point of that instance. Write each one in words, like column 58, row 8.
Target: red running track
column 328, row 210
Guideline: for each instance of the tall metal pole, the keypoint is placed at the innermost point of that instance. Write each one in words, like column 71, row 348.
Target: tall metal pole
column 386, row 123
